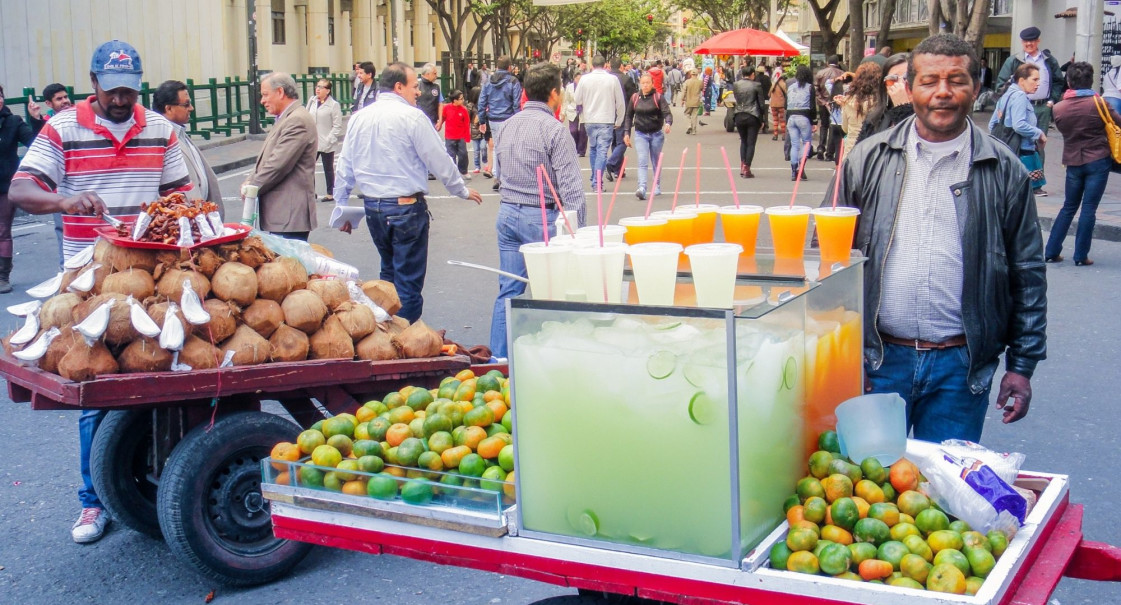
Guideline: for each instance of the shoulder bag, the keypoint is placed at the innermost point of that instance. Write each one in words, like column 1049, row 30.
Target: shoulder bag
column 1003, row 133
column 1112, row 131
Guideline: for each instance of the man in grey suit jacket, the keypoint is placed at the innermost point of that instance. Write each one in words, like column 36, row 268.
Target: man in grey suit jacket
column 172, row 101
column 285, row 170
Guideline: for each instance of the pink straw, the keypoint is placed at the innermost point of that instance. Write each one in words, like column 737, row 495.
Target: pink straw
column 614, row 194
column 837, row 180
column 541, row 191
column 680, row 171
column 801, row 166
column 731, row 181
column 657, row 173
column 698, row 198
column 599, row 205
column 560, row 206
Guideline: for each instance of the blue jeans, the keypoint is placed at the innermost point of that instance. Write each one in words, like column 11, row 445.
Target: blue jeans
column 599, row 140
column 1113, row 102
column 400, row 233
column 940, row 404
column 799, row 131
column 649, row 147
column 480, row 153
column 516, row 225
column 615, row 160
column 87, row 427
column 1085, row 185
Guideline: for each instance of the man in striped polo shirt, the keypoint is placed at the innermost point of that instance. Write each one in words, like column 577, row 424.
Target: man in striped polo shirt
column 108, row 156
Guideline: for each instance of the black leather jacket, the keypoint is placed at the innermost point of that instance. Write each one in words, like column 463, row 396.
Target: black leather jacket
column 1004, row 287
column 749, row 97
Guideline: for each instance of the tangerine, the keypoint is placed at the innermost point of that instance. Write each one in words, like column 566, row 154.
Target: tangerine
column 946, row 578
column 356, row 487
column 309, row 440
column 398, row 433
column 904, row 476
column 803, row 562
column 875, row 569
column 284, row 452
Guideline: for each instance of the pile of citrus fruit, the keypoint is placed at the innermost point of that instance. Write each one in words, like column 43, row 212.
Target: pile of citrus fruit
column 410, row 443
column 866, row 522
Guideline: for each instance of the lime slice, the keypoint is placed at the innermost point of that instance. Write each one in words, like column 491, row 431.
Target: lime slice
column 661, row 364
column 587, row 523
column 694, row 375
column 702, row 410
column 790, row 374
column 667, row 325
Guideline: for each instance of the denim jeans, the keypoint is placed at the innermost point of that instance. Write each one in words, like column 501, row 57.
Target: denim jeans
column 457, row 149
column 400, row 233
column 1113, row 102
column 1085, row 185
column 599, row 140
column 799, row 131
column 940, row 404
column 480, row 153
column 87, row 427
column 516, row 225
column 649, row 147
column 619, row 149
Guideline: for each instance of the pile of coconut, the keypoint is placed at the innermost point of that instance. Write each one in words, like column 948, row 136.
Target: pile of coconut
column 117, row 310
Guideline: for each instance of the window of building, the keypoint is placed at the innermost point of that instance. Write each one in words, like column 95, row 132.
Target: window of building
column 278, row 36
column 331, row 22
column 412, row 34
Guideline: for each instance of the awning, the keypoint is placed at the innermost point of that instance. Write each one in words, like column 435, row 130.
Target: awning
column 747, row 41
column 1072, row 12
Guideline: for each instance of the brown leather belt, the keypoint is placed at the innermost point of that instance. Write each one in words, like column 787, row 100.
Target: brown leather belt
column 923, row 345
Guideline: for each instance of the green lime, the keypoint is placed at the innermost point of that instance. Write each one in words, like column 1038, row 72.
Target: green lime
column 506, row 458
column 661, row 364
column 371, row 464
column 417, row 492
column 382, row 487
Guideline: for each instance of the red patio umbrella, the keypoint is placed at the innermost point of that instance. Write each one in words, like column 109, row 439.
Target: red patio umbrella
column 746, row 42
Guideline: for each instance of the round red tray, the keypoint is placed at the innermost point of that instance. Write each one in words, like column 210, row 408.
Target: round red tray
column 123, row 241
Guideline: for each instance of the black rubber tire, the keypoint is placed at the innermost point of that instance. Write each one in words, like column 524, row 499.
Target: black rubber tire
column 210, row 507
column 121, row 465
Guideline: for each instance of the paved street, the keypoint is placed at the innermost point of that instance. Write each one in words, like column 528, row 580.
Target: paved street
column 1071, row 428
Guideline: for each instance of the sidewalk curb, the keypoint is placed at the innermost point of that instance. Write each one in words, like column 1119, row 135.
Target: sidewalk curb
column 232, row 165
column 204, row 144
column 1104, row 232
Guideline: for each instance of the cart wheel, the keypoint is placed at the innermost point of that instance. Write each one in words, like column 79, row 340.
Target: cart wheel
column 121, row 465
column 210, row 506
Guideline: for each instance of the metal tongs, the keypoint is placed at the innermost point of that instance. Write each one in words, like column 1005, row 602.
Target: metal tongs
column 114, row 222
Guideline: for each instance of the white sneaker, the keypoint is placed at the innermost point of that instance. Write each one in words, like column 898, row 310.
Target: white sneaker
column 90, row 525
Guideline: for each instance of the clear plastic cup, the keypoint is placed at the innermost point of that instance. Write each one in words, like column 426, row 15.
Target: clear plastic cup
column 741, row 226
column 679, row 226
column 611, row 233
column 573, row 284
column 547, row 267
column 643, row 229
column 704, row 228
column 601, row 270
column 655, row 271
column 788, row 229
column 714, row 272
column 562, row 227
column 835, row 228
column 873, row 426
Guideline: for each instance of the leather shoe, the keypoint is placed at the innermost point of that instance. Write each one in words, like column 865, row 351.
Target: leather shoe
column 1083, row 263
column 608, row 176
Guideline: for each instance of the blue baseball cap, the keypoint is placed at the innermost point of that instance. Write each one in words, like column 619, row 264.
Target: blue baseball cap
column 116, row 65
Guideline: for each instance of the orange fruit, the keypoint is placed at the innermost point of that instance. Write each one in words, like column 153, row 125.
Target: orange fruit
column 490, row 447
column 946, row 578
column 356, row 487
column 862, row 506
column 396, row 471
column 309, row 440
column 844, row 513
column 875, row 569
column 886, row 512
column 953, row 557
column 795, row 514
column 801, row 538
column 326, row 455
column 473, row 436
column 912, row 503
column 915, row 567
column 802, row 562
column 931, row 520
column 498, row 408
column 493, row 396
column 919, row 547
column 836, row 534
column 451, row 457
column 285, row 452
column 398, row 433
column 465, row 375
column 871, row 530
column 283, row 478
column 402, row 415
column 942, row 539
column 807, row 525
column 814, row 509
column 365, row 414
column 835, row 559
column 973, row 585
column 868, row 490
column 837, row 486
column 508, row 488
column 904, row 476
column 809, row 487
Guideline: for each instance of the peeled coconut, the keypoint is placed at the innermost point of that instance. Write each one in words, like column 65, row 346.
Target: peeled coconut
column 417, row 341
column 274, row 281
column 208, row 261
column 264, row 316
column 99, row 275
column 288, row 344
column 137, row 282
column 331, row 341
column 58, row 310
column 378, row 346
column 199, row 354
column 358, row 320
column 248, row 346
column 296, row 271
column 222, row 324
column 144, row 355
column 158, row 311
column 58, row 349
column 170, row 285
column 304, row 310
column 84, row 362
column 120, row 330
column 332, row 291
column 384, row 295
column 235, row 282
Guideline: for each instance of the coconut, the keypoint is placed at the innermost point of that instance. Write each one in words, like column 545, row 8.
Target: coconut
column 58, row 349
column 358, row 320
column 144, row 355
column 264, row 316
column 199, row 354
column 274, row 281
column 378, row 346
column 58, row 310
column 331, row 341
column 157, row 311
column 137, row 282
column 253, row 252
column 395, row 325
column 248, row 347
column 99, row 275
column 322, row 250
column 68, row 277
column 418, row 340
column 296, row 271
column 120, row 258
column 384, row 295
column 170, row 284
column 288, row 344
column 235, row 282
column 222, row 324
column 304, row 310
column 84, row 362
column 207, row 261
column 332, row 291
column 120, row 330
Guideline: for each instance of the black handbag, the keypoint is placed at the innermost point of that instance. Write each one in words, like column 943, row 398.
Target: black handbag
column 1006, row 134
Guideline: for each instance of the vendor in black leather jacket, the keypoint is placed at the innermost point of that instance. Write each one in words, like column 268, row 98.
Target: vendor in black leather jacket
column 955, row 272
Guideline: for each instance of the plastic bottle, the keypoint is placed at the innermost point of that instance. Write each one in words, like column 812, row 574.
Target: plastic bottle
column 312, row 261
column 249, row 205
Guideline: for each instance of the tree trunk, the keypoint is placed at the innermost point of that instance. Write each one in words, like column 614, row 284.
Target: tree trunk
column 885, row 22
column 856, row 29
column 935, row 11
column 978, row 23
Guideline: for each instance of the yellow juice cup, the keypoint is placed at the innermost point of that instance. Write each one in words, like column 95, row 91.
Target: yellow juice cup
column 788, row 229
column 704, row 229
column 741, row 226
column 679, row 226
column 641, row 230
column 835, row 228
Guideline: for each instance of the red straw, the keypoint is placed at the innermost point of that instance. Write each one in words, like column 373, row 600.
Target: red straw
column 560, row 206
column 599, row 205
column 541, row 191
column 731, row 181
column 801, row 166
column 657, row 173
column 698, row 198
column 837, row 181
column 618, row 181
column 680, row 171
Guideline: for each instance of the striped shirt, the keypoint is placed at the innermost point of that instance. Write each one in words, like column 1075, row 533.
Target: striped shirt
column 75, row 152
column 923, row 273
column 531, row 138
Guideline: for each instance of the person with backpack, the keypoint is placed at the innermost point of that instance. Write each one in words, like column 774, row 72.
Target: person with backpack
column 650, row 117
column 1051, row 83
column 497, row 103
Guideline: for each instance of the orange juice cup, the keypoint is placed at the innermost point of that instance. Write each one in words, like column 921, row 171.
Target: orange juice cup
column 704, row 229
column 679, row 226
column 835, row 228
column 641, row 230
column 788, row 229
column 741, row 226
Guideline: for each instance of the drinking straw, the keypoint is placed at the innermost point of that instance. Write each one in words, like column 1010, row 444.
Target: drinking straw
column 599, row 205
column 541, row 191
column 619, row 181
column 731, row 181
column 697, row 201
column 837, row 181
column 560, row 206
column 801, row 167
column 680, row 171
column 657, row 173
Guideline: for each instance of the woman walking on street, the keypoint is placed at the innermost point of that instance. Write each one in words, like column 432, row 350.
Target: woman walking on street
column 571, row 112
column 649, row 115
column 749, row 117
column 862, row 100
column 897, row 98
column 328, row 117
column 1086, row 155
column 801, row 115
column 1015, row 111
column 778, row 104
column 13, row 133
